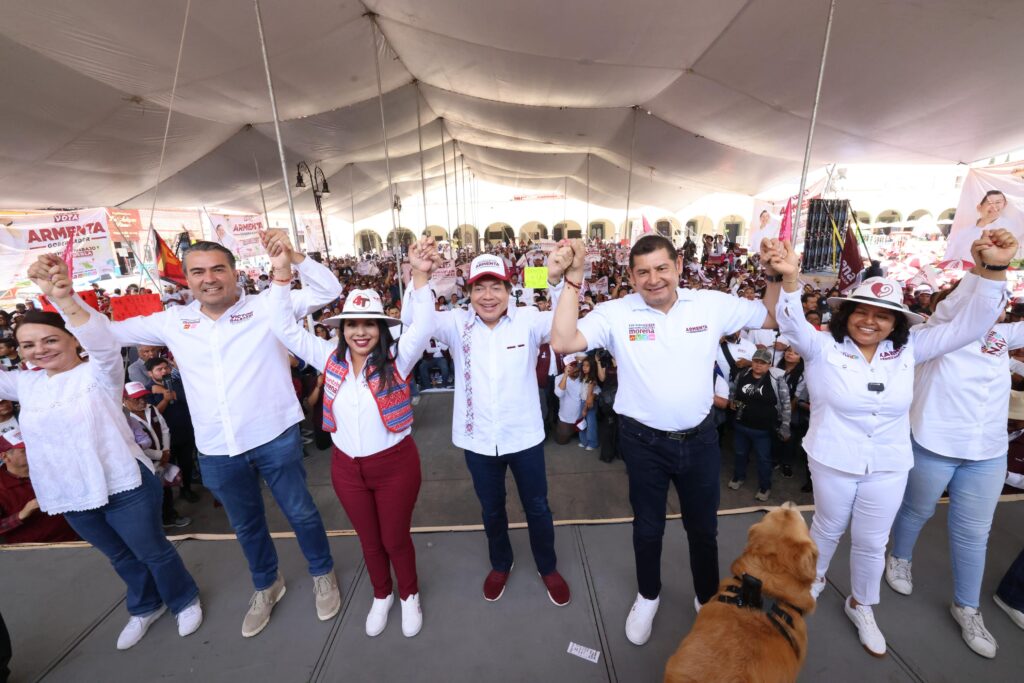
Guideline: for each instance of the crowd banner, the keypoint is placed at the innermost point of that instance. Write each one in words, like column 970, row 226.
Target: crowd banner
column 124, row 307
column 125, row 223
column 89, row 296
column 240, row 234
column 442, row 281
column 1008, row 179
column 26, row 238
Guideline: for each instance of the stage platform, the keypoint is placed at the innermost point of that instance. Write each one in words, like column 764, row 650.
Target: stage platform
column 64, row 608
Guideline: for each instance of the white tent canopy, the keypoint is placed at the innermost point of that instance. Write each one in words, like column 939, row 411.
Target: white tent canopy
column 527, row 90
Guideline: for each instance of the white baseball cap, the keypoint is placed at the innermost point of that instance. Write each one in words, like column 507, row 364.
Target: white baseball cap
column 878, row 291
column 487, row 265
column 361, row 304
column 135, row 390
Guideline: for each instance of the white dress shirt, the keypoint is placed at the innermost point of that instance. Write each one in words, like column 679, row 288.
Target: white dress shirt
column 80, row 448
column 666, row 361
column 236, row 374
column 570, row 399
column 505, row 412
column 741, row 349
column 360, row 430
column 853, row 428
column 962, row 399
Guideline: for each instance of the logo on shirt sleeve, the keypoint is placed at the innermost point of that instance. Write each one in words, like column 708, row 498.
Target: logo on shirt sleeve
column 641, row 332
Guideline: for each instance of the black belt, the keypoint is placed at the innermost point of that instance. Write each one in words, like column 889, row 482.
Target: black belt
column 675, row 436
column 748, row 595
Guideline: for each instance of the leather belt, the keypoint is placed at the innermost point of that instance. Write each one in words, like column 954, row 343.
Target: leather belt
column 675, row 436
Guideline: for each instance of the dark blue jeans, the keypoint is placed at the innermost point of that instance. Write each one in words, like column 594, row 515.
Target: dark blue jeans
column 760, row 440
column 692, row 465
column 128, row 531
column 235, row 481
column 488, row 472
column 1011, row 588
column 428, row 364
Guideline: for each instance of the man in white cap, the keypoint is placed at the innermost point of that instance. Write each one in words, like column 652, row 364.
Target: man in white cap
column 497, row 417
column 664, row 340
column 244, row 409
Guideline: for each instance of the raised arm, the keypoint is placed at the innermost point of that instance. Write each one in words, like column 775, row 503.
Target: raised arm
column 301, row 342
column 975, row 305
column 319, row 285
column 90, row 328
column 424, row 259
column 789, row 312
column 565, row 336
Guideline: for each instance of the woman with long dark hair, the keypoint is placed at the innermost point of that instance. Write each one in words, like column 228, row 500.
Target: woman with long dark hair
column 860, row 375
column 367, row 410
column 792, row 366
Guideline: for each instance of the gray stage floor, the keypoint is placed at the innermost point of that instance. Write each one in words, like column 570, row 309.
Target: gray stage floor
column 581, row 487
column 64, row 608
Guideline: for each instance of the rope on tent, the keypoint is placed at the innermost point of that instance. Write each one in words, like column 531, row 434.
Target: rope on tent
column 263, row 200
column 163, row 146
column 423, row 180
column 629, row 179
column 387, row 157
column 277, row 126
column 444, row 167
column 814, row 118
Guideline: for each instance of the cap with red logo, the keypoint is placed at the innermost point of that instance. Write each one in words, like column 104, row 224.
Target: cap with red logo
column 487, row 265
column 880, row 292
column 361, row 304
column 135, row 390
column 10, row 440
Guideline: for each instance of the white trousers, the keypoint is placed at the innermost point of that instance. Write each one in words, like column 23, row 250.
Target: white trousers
column 873, row 501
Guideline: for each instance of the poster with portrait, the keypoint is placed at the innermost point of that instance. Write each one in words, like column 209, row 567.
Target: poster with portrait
column 1005, row 210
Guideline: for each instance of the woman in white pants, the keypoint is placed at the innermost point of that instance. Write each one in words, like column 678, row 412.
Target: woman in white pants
column 860, row 377
column 958, row 419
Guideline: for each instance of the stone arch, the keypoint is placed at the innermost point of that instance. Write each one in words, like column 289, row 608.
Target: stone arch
column 367, row 241
column 533, row 230
column 466, row 236
column 889, row 216
column 437, row 232
column 401, row 237
column 601, row 229
column 566, row 230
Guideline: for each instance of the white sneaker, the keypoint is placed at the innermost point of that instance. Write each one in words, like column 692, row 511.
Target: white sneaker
column 1015, row 614
column 412, row 615
column 580, row 444
column 640, row 619
column 416, row 400
column 189, row 619
column 898, row 576
column 817, row 587
column 864, row 619
column 136, row 627
column 973, row 630
column 377, row 619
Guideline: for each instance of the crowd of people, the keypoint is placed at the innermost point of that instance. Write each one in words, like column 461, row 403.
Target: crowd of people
column 652, row 354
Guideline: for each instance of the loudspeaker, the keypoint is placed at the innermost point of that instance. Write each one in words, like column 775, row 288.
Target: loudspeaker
column 821, row 248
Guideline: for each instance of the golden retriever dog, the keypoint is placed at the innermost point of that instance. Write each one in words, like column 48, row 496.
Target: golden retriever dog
column 739, row 643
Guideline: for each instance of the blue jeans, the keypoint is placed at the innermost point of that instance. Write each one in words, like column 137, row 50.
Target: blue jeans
column 745, row 438
column 428, row 364
column 588, row 437
column 128, row 531
column 235, row 481
column 488, row 472
column 974, row 487
column 653, row 462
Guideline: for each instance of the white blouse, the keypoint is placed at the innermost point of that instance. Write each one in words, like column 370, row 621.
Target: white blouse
column 79, row 446
column 860, row 411
column 360, row 432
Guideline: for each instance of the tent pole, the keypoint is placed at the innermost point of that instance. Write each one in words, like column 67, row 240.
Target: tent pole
column 444, row 167
column 423, row 180
column 163, row 144
column 455, row 185
column 387, row 157
column 352, row 207
column 814, row 117
column 266, row 216
column 277, row 126
column 587, row 229
column 629, row 178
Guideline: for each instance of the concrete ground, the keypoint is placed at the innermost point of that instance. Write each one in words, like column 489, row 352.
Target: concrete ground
column 581, row 487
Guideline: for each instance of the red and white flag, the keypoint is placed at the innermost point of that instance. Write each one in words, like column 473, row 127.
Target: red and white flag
column 647, row 226
column 786, row 231
column 69, row 253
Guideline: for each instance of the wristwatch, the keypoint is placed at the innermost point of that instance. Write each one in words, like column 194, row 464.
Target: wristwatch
column 773, row 278
column 997, row 268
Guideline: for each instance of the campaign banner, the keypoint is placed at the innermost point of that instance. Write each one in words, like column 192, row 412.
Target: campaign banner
column 367, row 268
column 125, row 225
column 27, row 237
column 124, row 307
column 240, row 234
column 1005, row 178
column 600, row 286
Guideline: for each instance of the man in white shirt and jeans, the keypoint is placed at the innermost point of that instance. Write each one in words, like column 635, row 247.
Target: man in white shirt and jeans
column 245, row 412
column 665, row 340
column 497, row 418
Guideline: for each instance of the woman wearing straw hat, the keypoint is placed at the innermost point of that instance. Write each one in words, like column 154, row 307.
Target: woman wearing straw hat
column 368, row 413
column 860, row 376
column 84, row 460
column 958, row 419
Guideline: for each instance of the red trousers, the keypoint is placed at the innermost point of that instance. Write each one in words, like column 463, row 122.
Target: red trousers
column 378, row 493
